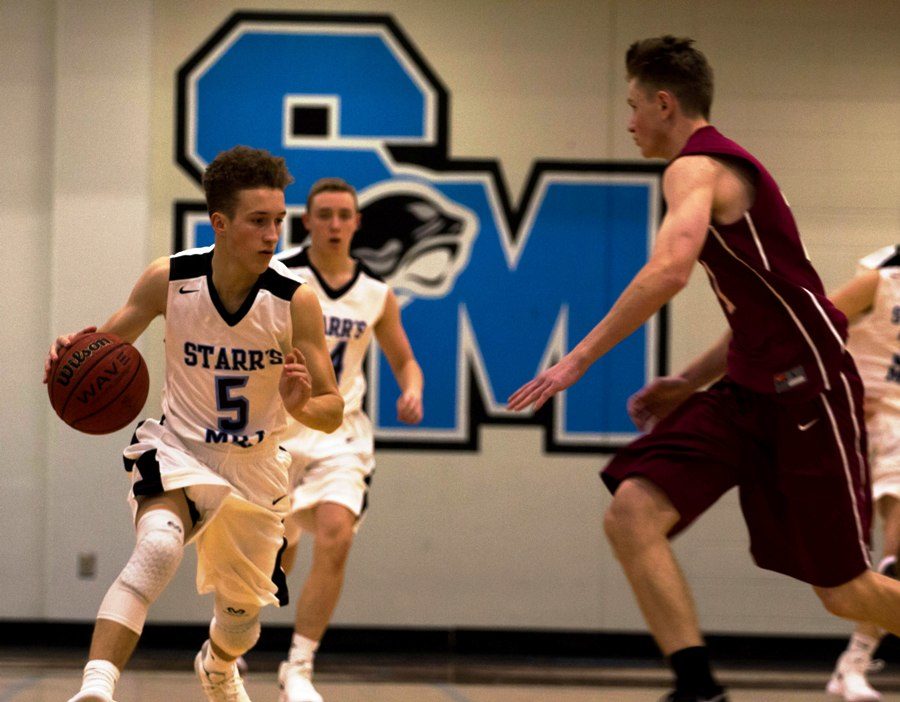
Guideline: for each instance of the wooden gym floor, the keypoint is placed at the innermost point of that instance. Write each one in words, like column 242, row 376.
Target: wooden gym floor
column 52, row 675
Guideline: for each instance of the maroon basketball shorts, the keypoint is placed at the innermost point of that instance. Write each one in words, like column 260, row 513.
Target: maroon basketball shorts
column 800, row 469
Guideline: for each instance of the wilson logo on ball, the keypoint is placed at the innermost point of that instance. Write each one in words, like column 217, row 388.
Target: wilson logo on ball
column 64, row 375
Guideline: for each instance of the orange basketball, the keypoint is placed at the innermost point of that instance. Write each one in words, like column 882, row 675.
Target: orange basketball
column 99, row 383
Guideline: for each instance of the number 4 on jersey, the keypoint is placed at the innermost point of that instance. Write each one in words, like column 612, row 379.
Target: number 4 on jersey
column 337, row 359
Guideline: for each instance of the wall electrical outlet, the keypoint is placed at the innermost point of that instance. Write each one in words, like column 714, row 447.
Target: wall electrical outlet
column 87, row 566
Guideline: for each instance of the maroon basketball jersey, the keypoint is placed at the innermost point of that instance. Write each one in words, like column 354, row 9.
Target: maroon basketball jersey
column 787, row 336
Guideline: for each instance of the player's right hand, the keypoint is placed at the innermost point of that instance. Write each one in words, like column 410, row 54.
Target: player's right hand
column 657, row 400
column 63, row 341
column 295, row 384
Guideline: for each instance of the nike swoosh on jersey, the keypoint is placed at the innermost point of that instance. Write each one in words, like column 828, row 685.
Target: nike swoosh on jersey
column 279, row 499
column 804, row 427
column 185, row 292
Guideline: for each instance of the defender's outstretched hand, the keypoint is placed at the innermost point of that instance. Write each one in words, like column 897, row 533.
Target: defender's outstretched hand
column 545, row 385
column 657, row 400
column 61, row 342
column 295, row 385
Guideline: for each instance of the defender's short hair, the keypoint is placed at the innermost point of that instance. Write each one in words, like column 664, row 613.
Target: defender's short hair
column 673, row 64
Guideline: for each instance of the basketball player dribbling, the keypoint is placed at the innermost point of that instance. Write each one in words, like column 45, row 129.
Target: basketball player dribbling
column 871, row 301
column 244, row 347
column 785, row 423
column 330, row 474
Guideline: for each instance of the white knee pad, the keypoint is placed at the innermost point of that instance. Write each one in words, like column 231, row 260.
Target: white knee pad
column 159, row 547
column 235, row 628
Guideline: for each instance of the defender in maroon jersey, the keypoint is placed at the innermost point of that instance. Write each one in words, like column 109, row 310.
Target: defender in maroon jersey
column 783, row 422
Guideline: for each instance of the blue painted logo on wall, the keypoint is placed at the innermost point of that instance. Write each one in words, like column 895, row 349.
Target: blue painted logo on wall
column 491, row 292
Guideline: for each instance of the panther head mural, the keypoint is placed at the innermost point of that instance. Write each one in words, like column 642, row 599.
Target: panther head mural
column 415, row 238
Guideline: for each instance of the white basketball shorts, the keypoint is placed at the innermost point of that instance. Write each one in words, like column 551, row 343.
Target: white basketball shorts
column 334, row 467
column 884, row 452
column 238, row 497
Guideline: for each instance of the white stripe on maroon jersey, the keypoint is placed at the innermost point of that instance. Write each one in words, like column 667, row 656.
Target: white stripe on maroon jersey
column 756, row 240
column 825, row 317
column 793, row 316
column 837, row 436
column 863, row 473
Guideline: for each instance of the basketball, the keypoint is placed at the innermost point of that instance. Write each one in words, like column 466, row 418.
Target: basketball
column 99, row 383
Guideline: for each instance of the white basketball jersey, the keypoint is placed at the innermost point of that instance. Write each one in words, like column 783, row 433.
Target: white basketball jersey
column 350, row 313
column 223, row 368
column 875, row 339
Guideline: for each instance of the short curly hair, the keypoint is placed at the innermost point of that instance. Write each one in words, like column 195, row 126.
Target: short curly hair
column 673, row 64
column 241, row 168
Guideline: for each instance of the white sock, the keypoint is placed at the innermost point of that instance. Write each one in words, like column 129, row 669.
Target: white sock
column 100, row 677
column 862, row 644
column 302, row 649
column 213, row 664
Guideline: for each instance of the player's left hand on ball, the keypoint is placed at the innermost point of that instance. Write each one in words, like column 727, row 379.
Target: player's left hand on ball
column 545, row 385
column 409, row 408
column 296, row 383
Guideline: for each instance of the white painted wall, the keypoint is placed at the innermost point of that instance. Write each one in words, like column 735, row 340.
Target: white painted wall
column 26, row 108
column 505, row 538
column 100, row 243
column 75, row 202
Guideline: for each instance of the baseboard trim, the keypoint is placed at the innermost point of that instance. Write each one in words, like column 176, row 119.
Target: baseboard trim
column 516, row 643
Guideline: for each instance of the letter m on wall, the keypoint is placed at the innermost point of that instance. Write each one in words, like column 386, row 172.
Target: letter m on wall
column 523, row 301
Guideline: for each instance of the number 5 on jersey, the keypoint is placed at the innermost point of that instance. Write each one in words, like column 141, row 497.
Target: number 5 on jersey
column 226, row 401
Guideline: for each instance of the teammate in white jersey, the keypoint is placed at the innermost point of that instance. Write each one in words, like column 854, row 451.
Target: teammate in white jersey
column 871, row 302
column 330, row 474
column 244, row 347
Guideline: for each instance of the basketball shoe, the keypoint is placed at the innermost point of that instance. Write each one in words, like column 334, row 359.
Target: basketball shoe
column 676, row 696
column 849, row 678
column 295, row 680
column 220, row 687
